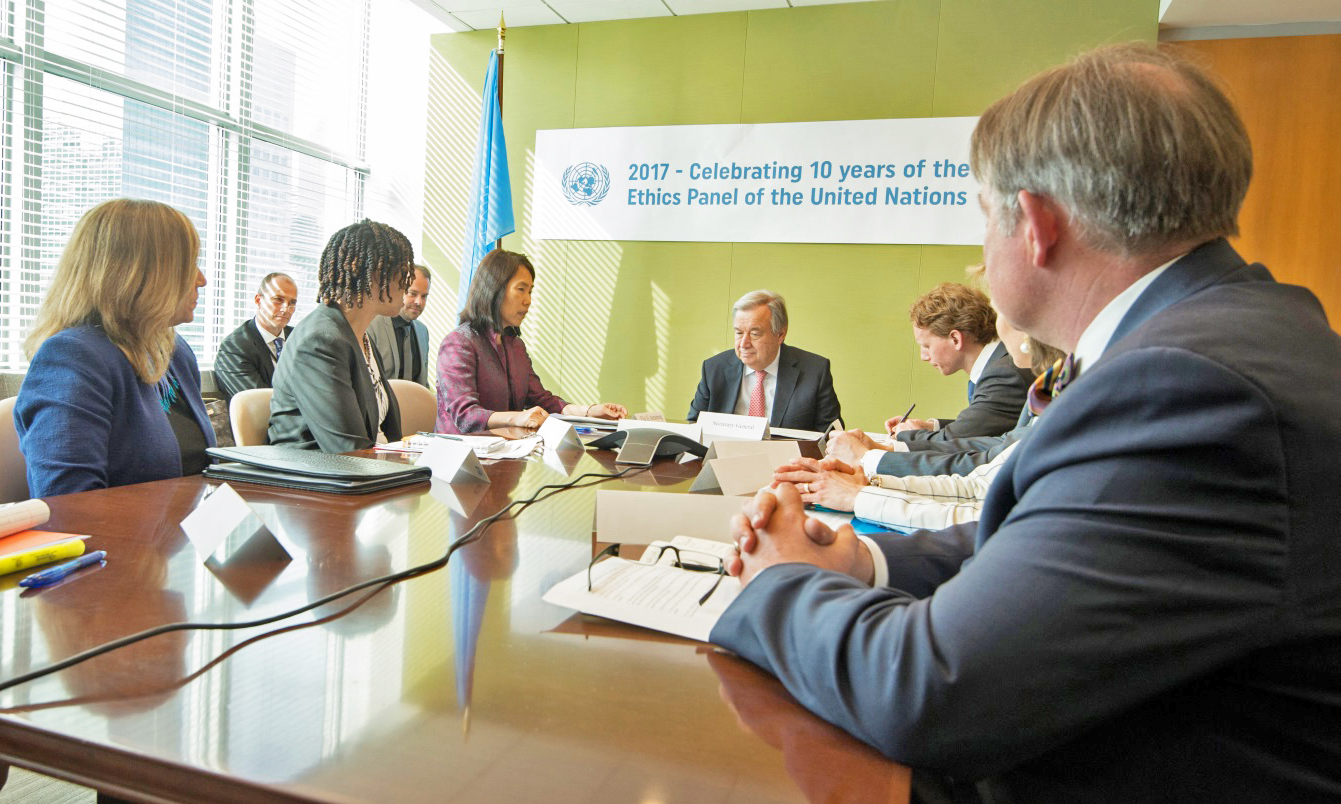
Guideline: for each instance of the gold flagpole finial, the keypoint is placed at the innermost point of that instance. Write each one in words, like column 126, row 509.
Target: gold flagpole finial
column 502, row 32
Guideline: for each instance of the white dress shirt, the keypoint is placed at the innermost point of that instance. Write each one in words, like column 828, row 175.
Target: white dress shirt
column 747, row 381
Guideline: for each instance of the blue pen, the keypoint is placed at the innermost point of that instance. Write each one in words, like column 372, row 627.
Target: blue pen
column 60, row 571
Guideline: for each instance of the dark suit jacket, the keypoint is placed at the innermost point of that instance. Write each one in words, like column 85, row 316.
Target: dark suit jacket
column 382, row 333
column 324, row 398
column 1153, row 610
column 953, row 456
column 244, row 360
column 997, row 398
column 803, row 397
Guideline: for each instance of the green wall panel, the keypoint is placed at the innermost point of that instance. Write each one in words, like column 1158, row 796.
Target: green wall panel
column 631, row 322
column 793, row 71
column 648, row 73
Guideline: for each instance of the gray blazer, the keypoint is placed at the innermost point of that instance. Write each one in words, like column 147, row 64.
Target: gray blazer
column 323, row 396
column 997, row 399
column 1153, row 608
column 803, row 398
column 382, row 333
column 244, row 360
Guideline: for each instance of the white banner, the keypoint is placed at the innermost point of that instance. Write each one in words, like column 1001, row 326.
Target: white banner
column 852, row 181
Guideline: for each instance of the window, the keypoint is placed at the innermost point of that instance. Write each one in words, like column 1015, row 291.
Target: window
column 247, row 115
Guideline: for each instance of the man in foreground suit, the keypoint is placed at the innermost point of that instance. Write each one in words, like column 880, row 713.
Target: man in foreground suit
column 763, row 376
column 247, row 357
column 402, row 340
column 1153, row 607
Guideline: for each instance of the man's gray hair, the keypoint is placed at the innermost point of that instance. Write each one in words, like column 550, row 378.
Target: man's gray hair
column 777, row 307
column 1138, row 144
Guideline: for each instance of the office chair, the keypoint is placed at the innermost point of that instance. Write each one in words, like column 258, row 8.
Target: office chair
column 249, row 413
column 418, row 406
column 13, row 469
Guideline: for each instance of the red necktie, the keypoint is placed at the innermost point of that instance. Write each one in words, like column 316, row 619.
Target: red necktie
column 757, row 395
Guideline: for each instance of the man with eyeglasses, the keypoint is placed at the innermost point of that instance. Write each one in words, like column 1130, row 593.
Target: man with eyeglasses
column 247, row 357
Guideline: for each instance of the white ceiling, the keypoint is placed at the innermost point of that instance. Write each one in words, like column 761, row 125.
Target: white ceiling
column 470, row 15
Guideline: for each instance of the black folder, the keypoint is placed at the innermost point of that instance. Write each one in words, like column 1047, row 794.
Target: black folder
column 308, row 470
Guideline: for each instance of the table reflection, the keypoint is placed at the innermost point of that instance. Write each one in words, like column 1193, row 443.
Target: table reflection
column 824, row 761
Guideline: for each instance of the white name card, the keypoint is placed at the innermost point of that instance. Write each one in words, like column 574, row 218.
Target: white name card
column 222, row 523
column 453, row 462
column 559, row 434
column 729, row 425
column 744, row 474
column 643, row 517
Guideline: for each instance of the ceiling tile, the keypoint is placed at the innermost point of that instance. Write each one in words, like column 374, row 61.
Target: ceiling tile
column 682, row 7
column 514, row 17
column 596, row 10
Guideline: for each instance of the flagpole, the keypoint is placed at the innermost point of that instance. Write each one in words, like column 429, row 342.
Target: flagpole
column 502, row 32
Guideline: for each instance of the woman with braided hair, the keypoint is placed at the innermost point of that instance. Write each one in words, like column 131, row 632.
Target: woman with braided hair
column 329, row 392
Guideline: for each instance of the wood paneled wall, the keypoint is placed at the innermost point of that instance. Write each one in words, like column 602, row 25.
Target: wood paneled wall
column 1288, row 90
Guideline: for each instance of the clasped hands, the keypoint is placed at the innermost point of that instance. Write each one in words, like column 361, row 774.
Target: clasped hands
column 773, row 529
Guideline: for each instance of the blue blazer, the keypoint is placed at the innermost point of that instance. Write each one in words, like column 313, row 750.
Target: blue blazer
column 1152, row 611
column 86, row 421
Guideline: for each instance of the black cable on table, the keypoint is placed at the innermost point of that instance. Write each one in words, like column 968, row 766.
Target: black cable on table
column 382, row 582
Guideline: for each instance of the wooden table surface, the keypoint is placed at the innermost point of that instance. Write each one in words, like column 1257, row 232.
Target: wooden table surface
column 457, row 686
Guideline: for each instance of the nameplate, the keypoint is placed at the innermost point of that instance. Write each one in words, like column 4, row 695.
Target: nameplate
column 643, row 517
column 453, row 462
column 223, row 524
column 776, row 453
column 729, row 425
column 559, row 435
column 462, row 499
column 650, row 416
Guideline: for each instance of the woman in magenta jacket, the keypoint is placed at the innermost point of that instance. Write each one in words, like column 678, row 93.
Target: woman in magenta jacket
column 485, row 378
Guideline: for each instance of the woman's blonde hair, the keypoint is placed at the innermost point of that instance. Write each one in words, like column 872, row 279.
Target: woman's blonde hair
column 127, row 268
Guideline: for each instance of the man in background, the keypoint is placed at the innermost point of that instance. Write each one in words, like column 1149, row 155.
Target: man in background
column 762, row 376
column 246, row 358
column 401, row 340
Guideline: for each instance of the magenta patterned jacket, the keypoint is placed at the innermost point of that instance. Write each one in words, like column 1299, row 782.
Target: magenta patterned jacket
column 477, row 377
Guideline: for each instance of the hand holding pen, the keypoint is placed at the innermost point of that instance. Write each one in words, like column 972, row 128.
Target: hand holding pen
column 890, row 424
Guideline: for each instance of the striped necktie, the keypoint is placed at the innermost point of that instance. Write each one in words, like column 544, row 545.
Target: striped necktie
column 1050, row 383
column 279, row 346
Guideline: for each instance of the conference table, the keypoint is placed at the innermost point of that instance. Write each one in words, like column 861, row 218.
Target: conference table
column 460, row 685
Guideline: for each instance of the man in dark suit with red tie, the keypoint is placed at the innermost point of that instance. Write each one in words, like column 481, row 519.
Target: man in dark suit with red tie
column 246, row 358
column 1150, row 607
column 762, row 376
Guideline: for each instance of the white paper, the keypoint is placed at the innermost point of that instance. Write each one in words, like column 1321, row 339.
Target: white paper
column 650, row 416
column 656, row 596
column 22, row 516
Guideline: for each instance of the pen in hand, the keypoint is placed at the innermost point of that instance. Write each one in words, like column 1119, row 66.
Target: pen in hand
column 59, row 572
column 889, row 428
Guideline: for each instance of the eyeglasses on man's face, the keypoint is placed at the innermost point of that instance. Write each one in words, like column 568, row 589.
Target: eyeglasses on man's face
column 281, row 303
column 687, row 560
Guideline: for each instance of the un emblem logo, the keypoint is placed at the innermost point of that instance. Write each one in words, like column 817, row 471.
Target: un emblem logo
column 586, row 183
